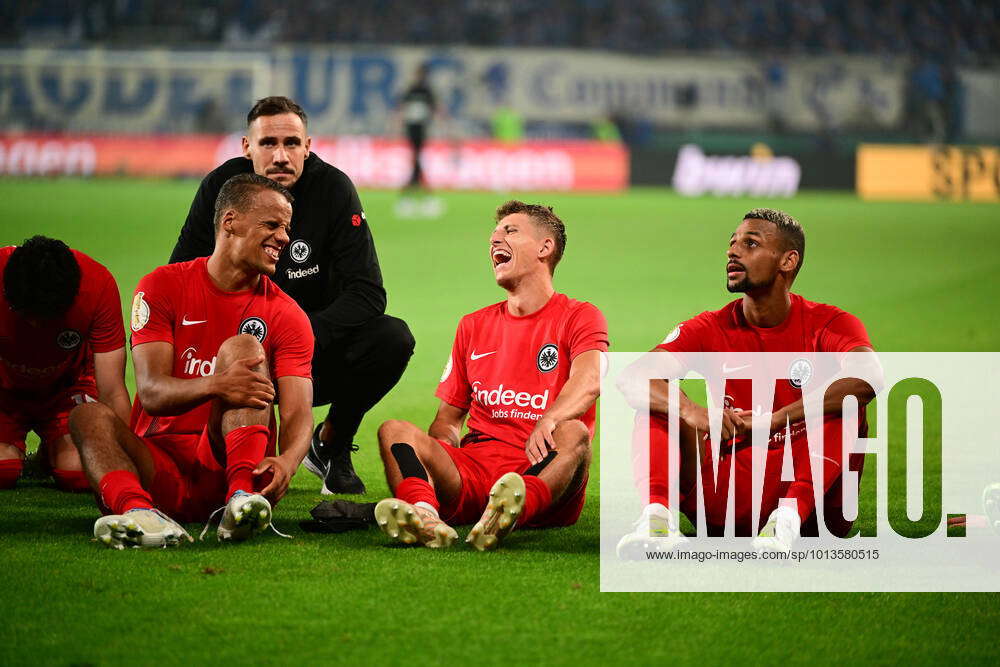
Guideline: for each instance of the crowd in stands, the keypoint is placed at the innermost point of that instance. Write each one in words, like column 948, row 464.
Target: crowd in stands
column 960, row 31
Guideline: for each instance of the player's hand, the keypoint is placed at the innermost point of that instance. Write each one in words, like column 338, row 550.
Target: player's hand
column 540, row 442
column 696, row 417
column 240, row 386
column 282, row 471
column 746, row 417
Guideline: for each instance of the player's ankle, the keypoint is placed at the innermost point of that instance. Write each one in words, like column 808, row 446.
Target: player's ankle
column 428, row 507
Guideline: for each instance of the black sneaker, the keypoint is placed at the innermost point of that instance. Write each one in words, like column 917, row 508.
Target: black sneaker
column 318, row 458
column 340, row 476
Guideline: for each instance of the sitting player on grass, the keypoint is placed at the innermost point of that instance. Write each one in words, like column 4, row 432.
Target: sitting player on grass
column 764, row 256
column 526, row 371
column 211, row 338
column 61, row 344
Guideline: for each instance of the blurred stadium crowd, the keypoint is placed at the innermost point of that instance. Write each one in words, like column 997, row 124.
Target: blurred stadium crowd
column 960, row 31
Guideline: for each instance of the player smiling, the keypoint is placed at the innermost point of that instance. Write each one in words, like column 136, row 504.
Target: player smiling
column 214, row 341
column 526, row 373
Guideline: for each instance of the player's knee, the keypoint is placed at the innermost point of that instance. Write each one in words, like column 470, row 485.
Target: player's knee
column 63, row 455
column 10, row 452
column 88, row 416
column 241, row 346
column 393, row 339
column 573, row 432
column 573, row 437
column 393, row 431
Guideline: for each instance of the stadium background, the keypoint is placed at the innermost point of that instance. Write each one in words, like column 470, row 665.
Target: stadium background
column 651, row 126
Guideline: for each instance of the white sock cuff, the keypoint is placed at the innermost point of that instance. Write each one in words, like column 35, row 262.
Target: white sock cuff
column 427, row 506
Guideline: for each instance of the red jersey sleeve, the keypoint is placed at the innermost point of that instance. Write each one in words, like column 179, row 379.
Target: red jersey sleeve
column 688, row 336
column 842, row 334
column 107, row 332
column 587, row 330
column 153, row 312
column 292, row 352
column 454, row 387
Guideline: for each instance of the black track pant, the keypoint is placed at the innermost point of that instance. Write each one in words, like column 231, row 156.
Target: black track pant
column 355, row 372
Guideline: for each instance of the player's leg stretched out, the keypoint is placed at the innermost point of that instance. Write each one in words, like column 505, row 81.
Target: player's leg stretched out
column 121, row 469
column 657, row 529
column 412, row 516
column 518, row 499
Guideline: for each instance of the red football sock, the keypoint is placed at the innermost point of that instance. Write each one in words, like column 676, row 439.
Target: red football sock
column 10, row 470
column 122, row 491
column 245, row 449
column 73, row 481
column 537, row 498
column 416, row 490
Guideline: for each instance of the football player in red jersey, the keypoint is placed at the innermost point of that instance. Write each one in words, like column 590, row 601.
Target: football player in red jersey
column 61, row 344
column 213, row 342
column 526, row 373
column 764, row 256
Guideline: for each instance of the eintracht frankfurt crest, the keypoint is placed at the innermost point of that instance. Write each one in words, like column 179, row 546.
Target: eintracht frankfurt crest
column 548, row 357
column 255, row 327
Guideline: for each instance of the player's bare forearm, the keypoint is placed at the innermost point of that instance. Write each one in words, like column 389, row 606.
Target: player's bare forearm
column 109, row 375
column 642, row 384
column 162, row 394
column 447, row 424
column 295, row 410
column 582, row 388
column 833, row 401
column 241, row 385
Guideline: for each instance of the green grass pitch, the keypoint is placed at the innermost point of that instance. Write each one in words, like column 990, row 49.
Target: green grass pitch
column 921, row 277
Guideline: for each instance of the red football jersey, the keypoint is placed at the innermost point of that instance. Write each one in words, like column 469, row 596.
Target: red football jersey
column 507, row 370
column 37, row 361
column 179, row 304
column 809, row 327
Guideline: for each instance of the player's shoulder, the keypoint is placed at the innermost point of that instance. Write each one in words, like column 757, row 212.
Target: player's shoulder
column 819, row 314
column 488, row 313
column 280, row 299
column 576, row 311
column 719, row 318
column 319, row 173
column 89, row 267
column 237, row 165
column 177, row 274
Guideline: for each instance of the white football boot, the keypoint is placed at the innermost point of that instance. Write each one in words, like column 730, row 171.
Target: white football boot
column 139, row 528
column 655, row 530
column 780, row 532
column 246, row 515
column 412, row 524
column 505, row 505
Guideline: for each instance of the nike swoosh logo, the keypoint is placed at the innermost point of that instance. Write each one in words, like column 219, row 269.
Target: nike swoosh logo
column 480, row 356
column 186, row 322
column 727, row 369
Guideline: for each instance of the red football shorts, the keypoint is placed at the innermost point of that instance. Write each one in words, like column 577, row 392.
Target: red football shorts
column 48, row 417
column 480, row 464
column 190, row 483
column 735, row 469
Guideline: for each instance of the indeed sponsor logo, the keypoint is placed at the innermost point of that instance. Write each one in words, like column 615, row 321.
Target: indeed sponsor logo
column 302, row 273
column 195, row 366
column 759, row 174
column 501, row 396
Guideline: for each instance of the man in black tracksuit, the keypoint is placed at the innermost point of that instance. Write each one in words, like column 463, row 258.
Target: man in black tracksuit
column 418, row 106
column 330, row 268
